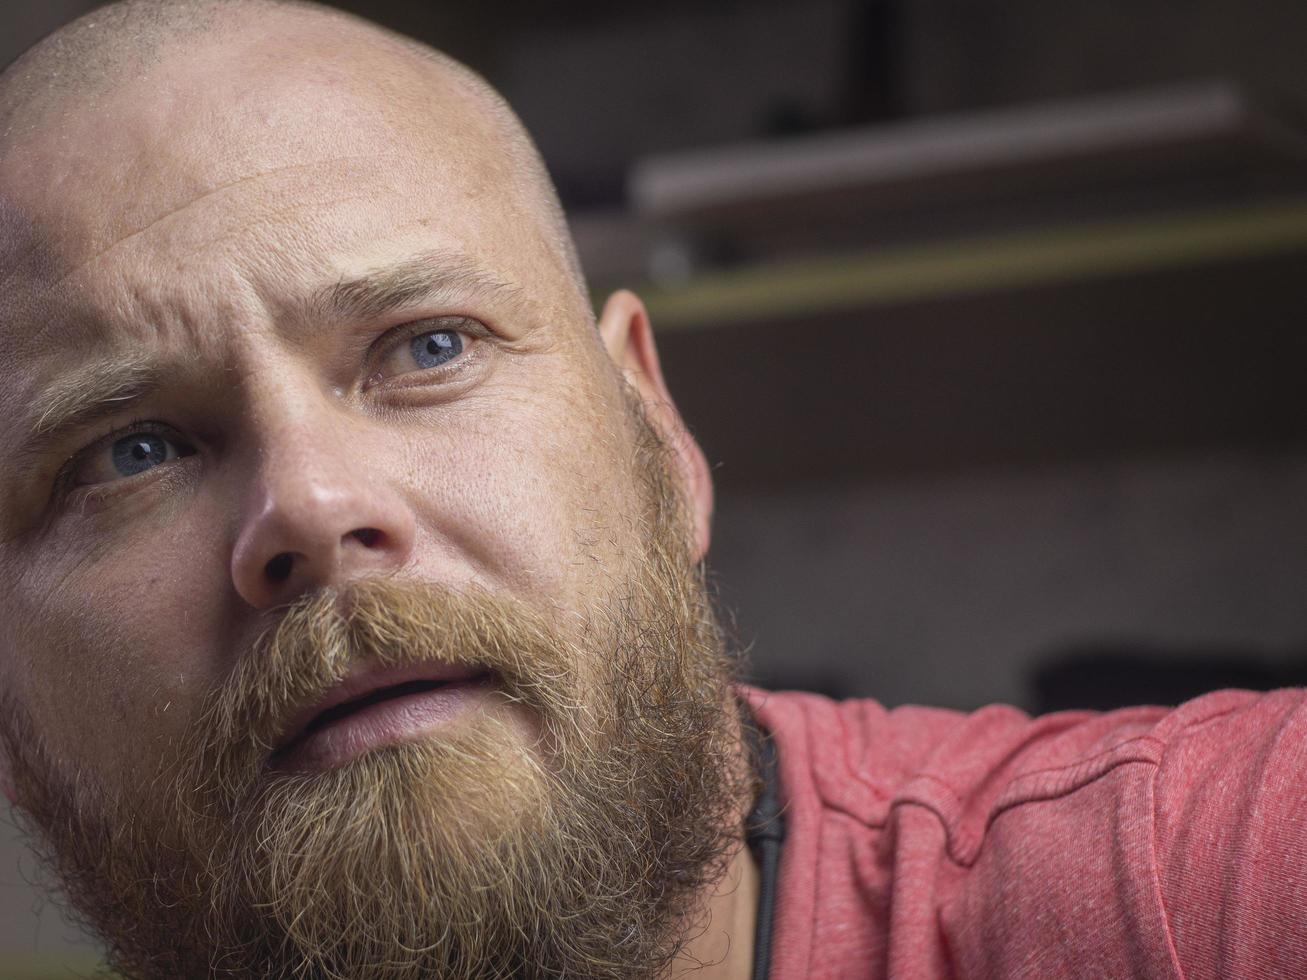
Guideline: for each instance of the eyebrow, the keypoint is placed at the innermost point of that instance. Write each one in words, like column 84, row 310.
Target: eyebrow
column 403, row 284
column 86, row 394
column 107, row 387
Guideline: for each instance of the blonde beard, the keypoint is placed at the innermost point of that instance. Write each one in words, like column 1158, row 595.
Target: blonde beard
column 476, row 854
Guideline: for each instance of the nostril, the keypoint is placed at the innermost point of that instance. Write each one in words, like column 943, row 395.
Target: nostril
column 369, row 537
column 278, row 568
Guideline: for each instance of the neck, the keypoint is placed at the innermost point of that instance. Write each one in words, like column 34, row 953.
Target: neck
column 723, row 950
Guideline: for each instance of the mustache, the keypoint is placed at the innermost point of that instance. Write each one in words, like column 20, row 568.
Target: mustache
column 387, row 622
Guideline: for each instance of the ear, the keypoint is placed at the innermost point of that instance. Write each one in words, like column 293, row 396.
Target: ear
column 628, row 338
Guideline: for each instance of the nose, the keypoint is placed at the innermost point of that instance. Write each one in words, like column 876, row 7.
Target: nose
column 319, row 515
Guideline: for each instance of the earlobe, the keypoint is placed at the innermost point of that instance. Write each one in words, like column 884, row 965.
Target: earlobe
column 628, row 339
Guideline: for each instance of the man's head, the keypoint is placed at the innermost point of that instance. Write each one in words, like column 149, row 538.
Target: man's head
column 304, row 405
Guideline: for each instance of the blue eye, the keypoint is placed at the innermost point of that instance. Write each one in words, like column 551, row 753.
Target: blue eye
column 424, row 354
column 138, row 453
column 435, row 347
column 128, row 455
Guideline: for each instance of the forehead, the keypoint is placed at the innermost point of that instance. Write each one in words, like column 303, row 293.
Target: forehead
column 212, row 116
column 250, row 162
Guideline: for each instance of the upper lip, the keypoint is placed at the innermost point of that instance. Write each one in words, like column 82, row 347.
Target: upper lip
column 366, row 679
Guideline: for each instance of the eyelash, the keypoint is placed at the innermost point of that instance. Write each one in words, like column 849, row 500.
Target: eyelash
column 64, row 486
column 391, row 341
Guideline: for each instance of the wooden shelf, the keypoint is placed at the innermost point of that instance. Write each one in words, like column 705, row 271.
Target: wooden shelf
column 1002, row 261
column 1179, row 133
column 997, row 200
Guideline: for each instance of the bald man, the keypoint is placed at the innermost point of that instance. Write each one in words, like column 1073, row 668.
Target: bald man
column 352, row 625
column 352, row 622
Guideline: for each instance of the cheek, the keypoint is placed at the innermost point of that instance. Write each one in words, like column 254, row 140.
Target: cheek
column 531, row 487
column 113, row 648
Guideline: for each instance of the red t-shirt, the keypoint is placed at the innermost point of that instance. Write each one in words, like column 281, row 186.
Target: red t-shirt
column 1143, row 843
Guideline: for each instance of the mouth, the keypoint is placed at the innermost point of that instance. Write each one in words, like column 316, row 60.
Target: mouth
column 375, row 707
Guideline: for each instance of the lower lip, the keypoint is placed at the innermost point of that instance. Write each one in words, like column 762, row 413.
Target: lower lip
column 391, row 722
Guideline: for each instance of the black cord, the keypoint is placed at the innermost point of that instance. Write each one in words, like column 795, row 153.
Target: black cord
column 764, row 833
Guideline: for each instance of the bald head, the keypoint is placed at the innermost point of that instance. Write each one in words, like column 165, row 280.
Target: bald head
column 79, row 73
column 100, row 49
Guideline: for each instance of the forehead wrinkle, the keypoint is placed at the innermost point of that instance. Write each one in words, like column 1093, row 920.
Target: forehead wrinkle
column 219, row 189
column 26, row 252
column 147, row 297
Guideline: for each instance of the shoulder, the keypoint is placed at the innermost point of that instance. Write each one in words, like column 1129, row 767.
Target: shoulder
column 1230, row 832
column 862, row 758
column 1159, row 842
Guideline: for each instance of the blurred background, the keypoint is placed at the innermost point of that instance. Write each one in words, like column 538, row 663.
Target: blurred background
column 988, row 314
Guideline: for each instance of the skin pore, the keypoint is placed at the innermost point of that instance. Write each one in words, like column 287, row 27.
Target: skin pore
column 226, row 249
